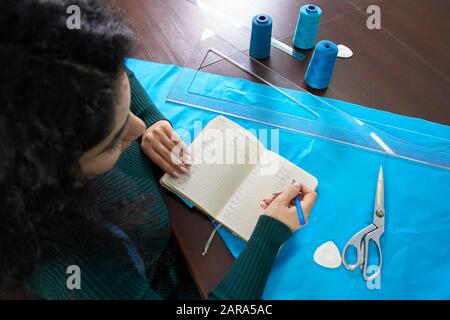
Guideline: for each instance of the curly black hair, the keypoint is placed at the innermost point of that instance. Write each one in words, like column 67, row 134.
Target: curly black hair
column 58, row 90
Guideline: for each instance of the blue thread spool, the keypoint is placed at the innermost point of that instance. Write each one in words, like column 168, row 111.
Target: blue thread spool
column 307, row 26
column 320, row 68
column 261, row 36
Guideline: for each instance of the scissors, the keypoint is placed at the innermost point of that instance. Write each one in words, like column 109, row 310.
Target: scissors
column 372, row 232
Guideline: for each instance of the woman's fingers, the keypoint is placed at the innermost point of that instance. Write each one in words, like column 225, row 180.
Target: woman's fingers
column 266, row 202
column 164, row 153
column 163, row 164
column 178, row 149
column 175, row 138
column 167, row 154
column 308, row 199
column 306, row 190
column 165, row 148
column 289, row 193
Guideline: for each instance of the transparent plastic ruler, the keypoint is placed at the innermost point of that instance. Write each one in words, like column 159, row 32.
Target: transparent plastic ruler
column 273, row 100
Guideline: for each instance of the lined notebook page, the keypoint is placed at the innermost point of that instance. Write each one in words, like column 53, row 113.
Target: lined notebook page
column 241, row 213
column 210, row 185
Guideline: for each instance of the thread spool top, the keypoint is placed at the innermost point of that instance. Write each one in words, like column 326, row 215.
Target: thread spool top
column 312, row 9
column 327, row 47
column 262, row 19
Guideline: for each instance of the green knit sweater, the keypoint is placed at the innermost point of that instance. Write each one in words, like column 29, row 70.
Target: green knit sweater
column 109, row 277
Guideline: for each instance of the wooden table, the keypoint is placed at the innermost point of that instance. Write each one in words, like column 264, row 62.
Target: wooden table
column 403, row 68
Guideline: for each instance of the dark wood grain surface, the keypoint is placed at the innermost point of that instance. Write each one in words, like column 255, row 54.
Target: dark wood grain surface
column 402, row 68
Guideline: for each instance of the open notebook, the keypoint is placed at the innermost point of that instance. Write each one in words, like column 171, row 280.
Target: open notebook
column 232, row 172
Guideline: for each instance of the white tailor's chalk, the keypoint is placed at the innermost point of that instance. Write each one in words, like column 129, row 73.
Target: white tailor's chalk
column 344, row 52
column 328, row 255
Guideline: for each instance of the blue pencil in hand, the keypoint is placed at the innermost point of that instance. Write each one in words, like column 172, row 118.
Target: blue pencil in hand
column 301, row 217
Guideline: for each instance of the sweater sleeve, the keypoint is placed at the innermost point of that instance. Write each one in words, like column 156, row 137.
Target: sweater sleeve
column 141, row 104
column 248, row 275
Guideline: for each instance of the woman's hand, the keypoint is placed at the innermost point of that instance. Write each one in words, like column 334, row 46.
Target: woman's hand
column 281, row 205
column 163, row 146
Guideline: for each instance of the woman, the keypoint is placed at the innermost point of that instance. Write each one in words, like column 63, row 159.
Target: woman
column 79, row 142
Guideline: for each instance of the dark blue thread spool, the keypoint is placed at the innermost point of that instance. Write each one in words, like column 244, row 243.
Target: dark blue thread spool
column 261, row 36
column 320, row 68
column 307, row 26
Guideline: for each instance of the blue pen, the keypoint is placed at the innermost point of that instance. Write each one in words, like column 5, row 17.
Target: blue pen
column 301, row 217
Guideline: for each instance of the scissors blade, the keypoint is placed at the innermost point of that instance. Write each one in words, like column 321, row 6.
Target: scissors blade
column 379, row 213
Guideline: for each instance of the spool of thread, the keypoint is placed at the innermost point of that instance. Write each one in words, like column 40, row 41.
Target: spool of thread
column 307, row 26
column 260, row 39
column 321, row 67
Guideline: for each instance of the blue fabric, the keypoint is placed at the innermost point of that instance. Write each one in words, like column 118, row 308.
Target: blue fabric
column 416, row 242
